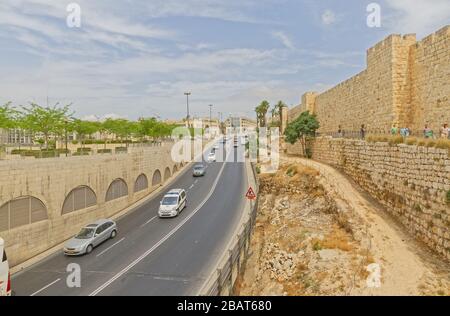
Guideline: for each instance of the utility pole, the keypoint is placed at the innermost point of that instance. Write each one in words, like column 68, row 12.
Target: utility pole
column 65, row 132
column 210, row 119
column 187, row 94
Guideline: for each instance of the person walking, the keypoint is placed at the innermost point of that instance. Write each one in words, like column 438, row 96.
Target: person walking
column 339, row 133
column 394, row 130
column 427, row 132
column 405, row 132
column 362, row 132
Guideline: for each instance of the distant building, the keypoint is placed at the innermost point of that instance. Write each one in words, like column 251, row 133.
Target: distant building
column 240, row 124
column 15, row 136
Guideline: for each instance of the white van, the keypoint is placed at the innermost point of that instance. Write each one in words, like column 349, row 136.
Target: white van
column 173, row 203
column 5, row 278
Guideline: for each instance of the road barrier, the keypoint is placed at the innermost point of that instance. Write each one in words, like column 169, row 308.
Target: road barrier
column 223, row 278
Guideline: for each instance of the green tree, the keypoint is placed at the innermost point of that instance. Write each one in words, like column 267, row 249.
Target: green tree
column 7, row 116
column 278, row 108
column 302, row 128
column 45, row 120
column 84, row 128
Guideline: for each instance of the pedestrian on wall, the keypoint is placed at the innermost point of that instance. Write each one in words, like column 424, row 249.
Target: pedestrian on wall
column 445, row 131
column 394, row 130
column 339, row 133
column 427, row 132
column 362, row 132
column 405, row 132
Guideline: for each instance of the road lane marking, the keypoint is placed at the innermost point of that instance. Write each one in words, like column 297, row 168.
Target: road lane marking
column 159, row 243
column 195, row 182
column 192, row 185
column 149, row 221
column 45, row 287
column 110, row 247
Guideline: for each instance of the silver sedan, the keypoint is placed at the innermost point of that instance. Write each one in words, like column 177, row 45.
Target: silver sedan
column 90, row 237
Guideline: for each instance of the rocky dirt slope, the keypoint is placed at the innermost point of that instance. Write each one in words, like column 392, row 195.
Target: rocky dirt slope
column 309, row 241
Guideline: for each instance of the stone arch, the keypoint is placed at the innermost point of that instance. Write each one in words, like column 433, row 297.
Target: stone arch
column 22, row 211
column 117, row 189
column 175, row 169
column 79, row 198
column 167, row 174
column 156, row 179
column 141, row 183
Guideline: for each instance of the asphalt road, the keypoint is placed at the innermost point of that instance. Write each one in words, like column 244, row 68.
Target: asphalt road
column 153, row 256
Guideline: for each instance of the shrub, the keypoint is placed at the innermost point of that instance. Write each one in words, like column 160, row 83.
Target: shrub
column 291, row 171
column 430, row 143
column 104, row 151
column 85, row 149
column 394, row 140
column 81, row 153
column 443, row 144
column 88, row 142
column 121, row 149
column 411, row 140
column 63, row 150
column 75, row 142
column 421, row 142
column 18, row 151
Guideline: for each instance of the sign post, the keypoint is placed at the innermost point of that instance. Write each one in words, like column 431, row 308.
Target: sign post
column 250, row 195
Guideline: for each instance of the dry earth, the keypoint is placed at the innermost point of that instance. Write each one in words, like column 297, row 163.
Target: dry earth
column 316, row 234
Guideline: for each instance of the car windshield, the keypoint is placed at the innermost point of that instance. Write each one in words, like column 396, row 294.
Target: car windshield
column 85, row 233
column 198, row 168
column 170, row 200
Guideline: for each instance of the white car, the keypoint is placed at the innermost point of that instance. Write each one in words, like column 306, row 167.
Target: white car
column 5, row 277
column 212, row 157
column 172, row 203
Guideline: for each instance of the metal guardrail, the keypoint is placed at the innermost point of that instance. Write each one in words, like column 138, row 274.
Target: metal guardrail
column 221, row 282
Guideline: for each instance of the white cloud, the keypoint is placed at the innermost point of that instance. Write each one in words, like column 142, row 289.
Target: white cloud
column 328, row 17
column 412, row 16
column 284, row 39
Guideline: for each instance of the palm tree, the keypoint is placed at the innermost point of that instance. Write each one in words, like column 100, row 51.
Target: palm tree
column 261, row 112
column 278, row 109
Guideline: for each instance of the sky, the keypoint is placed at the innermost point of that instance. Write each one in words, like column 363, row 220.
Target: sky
column 136, row 58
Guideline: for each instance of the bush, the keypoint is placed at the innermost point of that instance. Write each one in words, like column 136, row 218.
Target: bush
column 18, row 151
column 63, row 150
column 85, row 149
column 430, row 143
column 121, row 149
column 75, row 142
column 443, row 144
column 411, row 140
column 81, row 153
column 291, row 171
column 104, row 151
column 395, row 140
column 88, row 142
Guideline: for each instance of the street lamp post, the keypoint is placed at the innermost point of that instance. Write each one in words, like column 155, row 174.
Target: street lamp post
column 187, row 94
column 65, row 132
column 210, row 118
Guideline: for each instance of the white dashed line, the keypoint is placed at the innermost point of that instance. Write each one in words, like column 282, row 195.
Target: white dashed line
column 110, row 247
column 45, row 287
column 148, row 222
